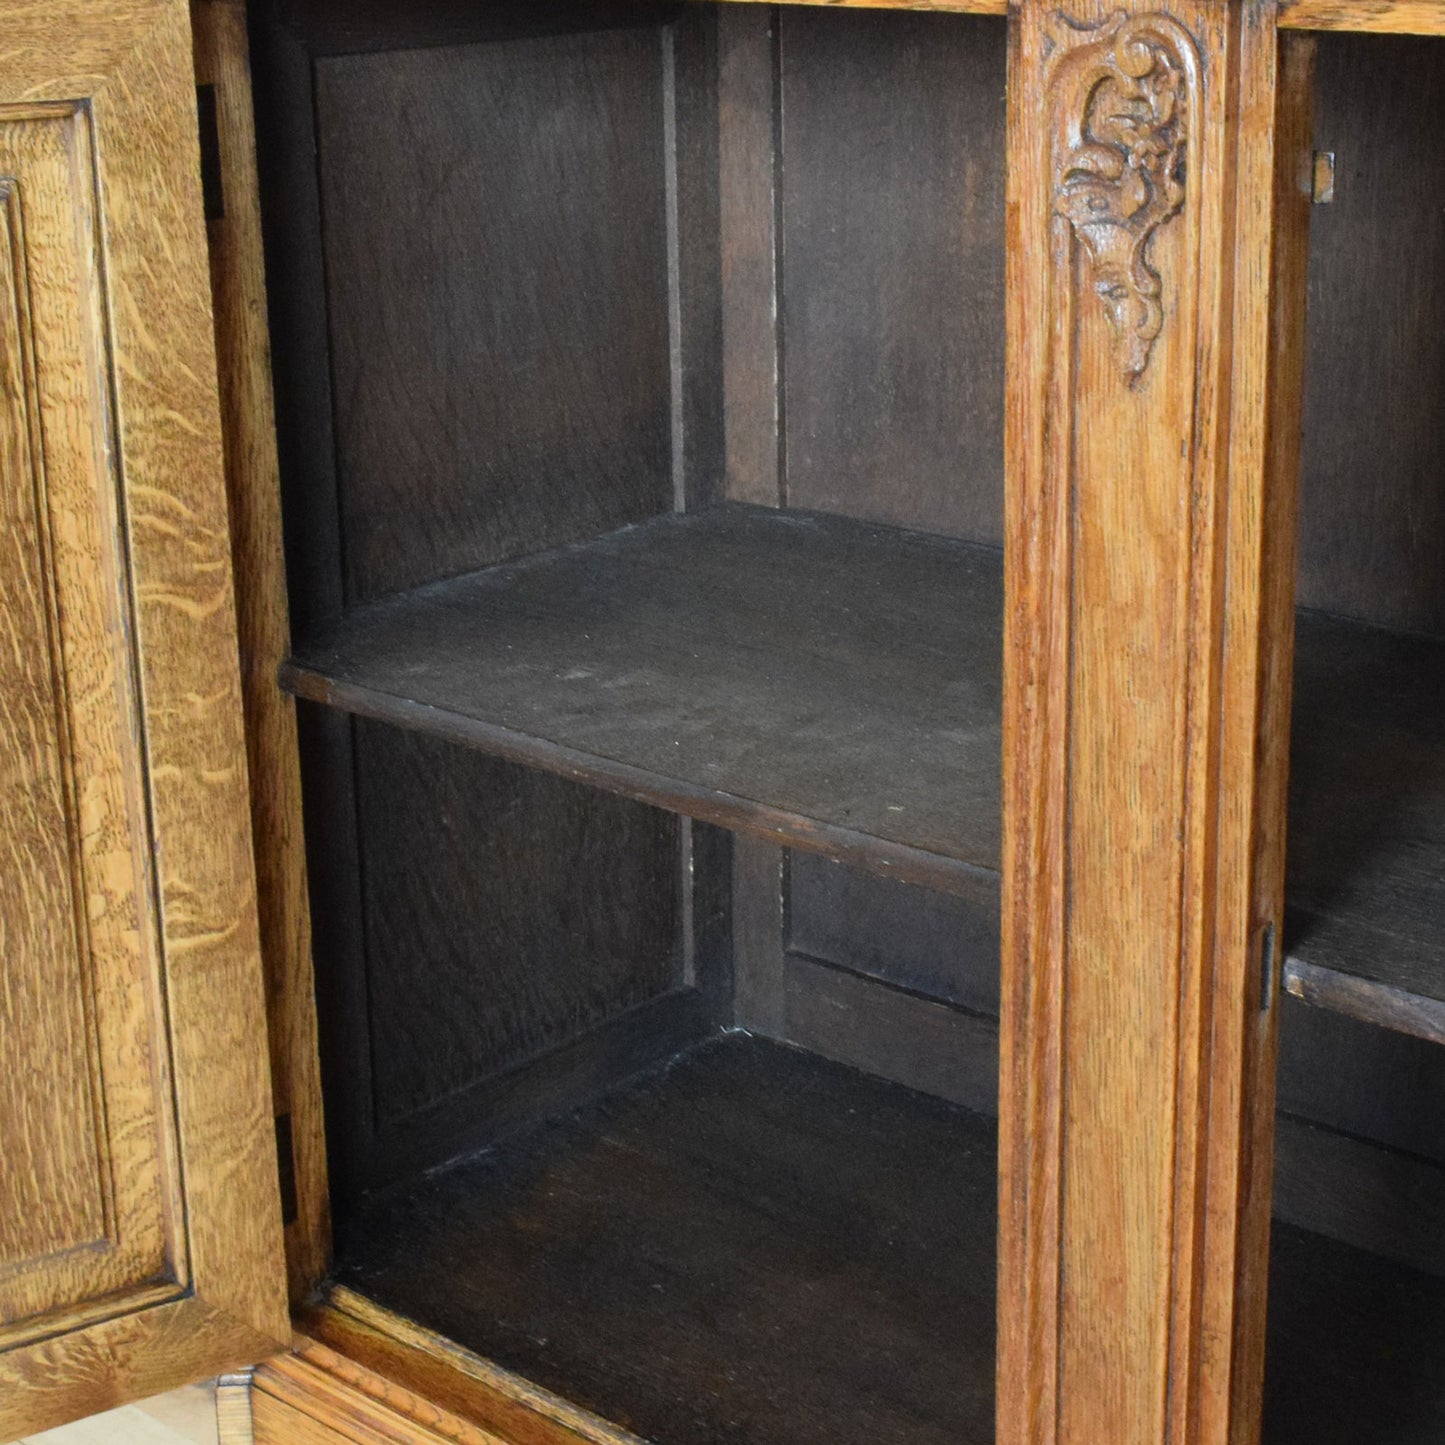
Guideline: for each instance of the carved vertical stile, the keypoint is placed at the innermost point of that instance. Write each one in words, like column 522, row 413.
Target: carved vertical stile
column 1144, row 634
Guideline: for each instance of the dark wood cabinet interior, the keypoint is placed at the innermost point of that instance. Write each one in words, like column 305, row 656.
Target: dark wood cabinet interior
column 640, row 378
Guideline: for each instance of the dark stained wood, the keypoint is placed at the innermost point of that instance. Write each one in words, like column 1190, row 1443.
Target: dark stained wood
column 338, row 27
column 1362, row 1080
column 707, row 880
column 296, row 307
column 892, row 173
column 927, row 942
column 1380, row 1003
column 338, row 941
column 1366, row 883
column 847, row 717
column 450, row 934
column 496, row 1105
column 1372, row 528
column 690, row 96
column 906, row 1037
column 506, row 911
column 825, row 682
column 753, row 1246
column 748, row 229
column 495, row 223
column 760, row 886
column 1347, row 1188
column 1355, row 1347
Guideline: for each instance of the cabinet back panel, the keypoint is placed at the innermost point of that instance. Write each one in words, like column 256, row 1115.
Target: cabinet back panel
column 1367, row 1082
column 930, row 943
column 892, row 244
column 507, row 910
column 1372, row 529
column 490, row 941
column 495, row 235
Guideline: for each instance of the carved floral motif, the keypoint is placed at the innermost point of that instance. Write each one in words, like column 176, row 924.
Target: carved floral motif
column 1121, row 139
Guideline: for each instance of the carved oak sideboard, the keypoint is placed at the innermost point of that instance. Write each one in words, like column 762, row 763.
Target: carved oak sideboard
column 738, row 732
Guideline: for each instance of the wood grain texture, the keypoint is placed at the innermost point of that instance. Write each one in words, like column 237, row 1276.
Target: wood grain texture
column 1149, row 439
column 234, row 1422
column 451, row 977
column 485, row 885
column 75, row 1222
column 346, row 1333
column 248, row 427
column 1400, row 17
column 1372, row 509
column 1348, row 1336
column 317, row 1398
column 891, row 173
column 519, row 268
column 651, row 662
column 131, row 66
column 750, row 1205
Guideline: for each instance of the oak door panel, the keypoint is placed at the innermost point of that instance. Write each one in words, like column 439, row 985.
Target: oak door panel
column 81, row 1005
column 139, row 1215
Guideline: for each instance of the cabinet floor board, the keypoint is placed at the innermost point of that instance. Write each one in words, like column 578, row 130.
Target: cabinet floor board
column 754, row 1246
column 1356, row 1347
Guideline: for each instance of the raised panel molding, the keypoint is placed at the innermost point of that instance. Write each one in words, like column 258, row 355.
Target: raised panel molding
column 140, row 1220
column 1157, row 213
column 86, row 1189
column 41, row 922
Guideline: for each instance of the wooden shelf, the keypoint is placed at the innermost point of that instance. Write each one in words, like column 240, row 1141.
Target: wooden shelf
column 825, row 682
column 1365, row 932
column 835, row 685
column 755, row 1245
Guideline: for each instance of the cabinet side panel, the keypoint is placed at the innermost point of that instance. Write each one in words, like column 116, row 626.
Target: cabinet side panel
column 495, row 228
column 506, row 911
column 1372, row 515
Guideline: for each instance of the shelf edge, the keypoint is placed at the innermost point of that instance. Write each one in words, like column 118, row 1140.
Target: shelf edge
column 1365, row 999
column 882, row 856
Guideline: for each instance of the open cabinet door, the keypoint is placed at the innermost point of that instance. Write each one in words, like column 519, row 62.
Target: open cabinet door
column 140, row 1228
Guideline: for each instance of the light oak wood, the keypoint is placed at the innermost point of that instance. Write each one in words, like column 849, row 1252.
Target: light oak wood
column 1389, row 17
column 234, row 1425
column 320, row 1394
column 248, row 425
column 1153, row 332
column 356, row 1334
column 139, row 1231
column 316, row 1396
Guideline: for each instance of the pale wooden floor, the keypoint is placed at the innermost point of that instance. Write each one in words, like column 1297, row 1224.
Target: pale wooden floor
column 187, row 1417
